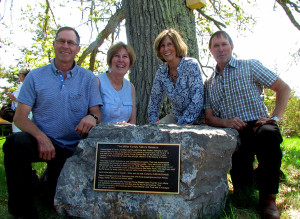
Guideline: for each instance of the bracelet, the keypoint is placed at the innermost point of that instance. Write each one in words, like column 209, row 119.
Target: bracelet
column 93, row 115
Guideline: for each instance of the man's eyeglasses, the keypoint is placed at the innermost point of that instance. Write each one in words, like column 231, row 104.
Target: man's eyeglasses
column 69, row 42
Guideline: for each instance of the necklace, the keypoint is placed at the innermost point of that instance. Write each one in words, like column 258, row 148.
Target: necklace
column 173, row 74
column 173, row 78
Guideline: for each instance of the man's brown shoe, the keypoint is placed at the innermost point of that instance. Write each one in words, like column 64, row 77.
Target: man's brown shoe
column 269, row 209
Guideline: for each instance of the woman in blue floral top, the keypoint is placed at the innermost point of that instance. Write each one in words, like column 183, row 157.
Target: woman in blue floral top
column 179, row 77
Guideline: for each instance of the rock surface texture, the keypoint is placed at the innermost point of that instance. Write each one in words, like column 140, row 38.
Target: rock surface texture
column 205, row 161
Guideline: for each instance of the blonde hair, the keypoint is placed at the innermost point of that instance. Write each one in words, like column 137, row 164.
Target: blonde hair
column 181, row 47
column 115, row 48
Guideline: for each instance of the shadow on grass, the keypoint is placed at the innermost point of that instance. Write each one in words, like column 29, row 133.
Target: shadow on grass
column 241, row 205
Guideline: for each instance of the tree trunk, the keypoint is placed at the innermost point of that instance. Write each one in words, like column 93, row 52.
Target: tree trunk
column 144, row 21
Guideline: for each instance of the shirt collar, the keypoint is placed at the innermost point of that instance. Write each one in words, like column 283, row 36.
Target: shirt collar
column 69, row 73
column 232, row 63
column 216, row 71
column 181, row 62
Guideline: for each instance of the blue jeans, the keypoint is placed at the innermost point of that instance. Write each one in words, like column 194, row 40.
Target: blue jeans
column 20, row 150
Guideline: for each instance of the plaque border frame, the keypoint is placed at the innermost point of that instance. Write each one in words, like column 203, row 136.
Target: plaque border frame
column 136, row 191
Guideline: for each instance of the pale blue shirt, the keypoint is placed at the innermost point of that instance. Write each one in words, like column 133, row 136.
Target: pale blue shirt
column 14, row 106
column 16, row 94
column 59, row 105
column 117, row 105
column 186, row 96
column 239, row 92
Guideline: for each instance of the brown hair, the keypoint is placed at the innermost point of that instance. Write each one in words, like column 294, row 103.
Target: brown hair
column 181, row 47
column 218, row 34
column 69, row 28
column 115, row 48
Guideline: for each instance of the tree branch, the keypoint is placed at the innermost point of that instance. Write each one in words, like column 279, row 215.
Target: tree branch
column 112, row 24
column 45, row 25
column 283, row 4
column 217, row 23
column 47, row 17
column 294, row 5
column 93, row 59
column 232, row 4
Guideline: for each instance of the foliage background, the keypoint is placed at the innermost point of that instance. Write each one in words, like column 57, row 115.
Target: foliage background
column 40, row 19
column 290, row 122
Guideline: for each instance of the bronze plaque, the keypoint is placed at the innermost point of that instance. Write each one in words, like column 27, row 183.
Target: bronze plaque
column 133, row 167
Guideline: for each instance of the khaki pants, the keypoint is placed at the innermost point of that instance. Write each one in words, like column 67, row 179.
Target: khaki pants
column 169, row 119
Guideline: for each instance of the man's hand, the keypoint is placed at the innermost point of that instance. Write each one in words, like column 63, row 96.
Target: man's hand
column 85, row 125
column 235, row 123
column 262, row 121
column 46, row 148
column 11, row 96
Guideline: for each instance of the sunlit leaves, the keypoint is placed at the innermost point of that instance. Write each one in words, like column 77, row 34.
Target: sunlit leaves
column 289, row 123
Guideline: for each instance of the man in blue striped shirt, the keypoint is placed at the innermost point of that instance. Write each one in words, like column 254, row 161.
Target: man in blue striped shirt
column 234, row 99
column 64, row 99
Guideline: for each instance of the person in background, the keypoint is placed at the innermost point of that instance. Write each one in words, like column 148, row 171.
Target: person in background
column 117, row 93
column 179, row 77
column 64, row 99
column 234, row 99
column 13, row 96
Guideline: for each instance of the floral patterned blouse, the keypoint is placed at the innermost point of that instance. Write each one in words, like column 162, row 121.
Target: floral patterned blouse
column 186, row 95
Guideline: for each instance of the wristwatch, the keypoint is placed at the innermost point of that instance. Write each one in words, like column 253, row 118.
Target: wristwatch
column 275, row 118
column 93, row 115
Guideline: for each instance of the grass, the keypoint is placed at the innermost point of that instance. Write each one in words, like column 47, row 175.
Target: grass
column 3, row 189
column 39, row 167
column 289, row 196
column 288, row 200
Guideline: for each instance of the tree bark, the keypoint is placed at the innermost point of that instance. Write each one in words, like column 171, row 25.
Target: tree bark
column 144, row 21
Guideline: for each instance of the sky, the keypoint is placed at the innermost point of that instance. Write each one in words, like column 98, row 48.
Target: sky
column 271, row 41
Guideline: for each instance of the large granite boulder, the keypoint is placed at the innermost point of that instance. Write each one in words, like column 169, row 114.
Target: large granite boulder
column 205, row 161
